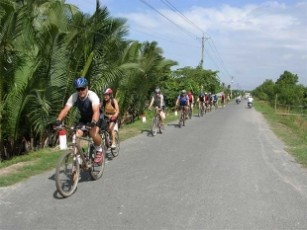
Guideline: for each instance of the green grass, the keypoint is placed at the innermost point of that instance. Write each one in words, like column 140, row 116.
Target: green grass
column 25, row 166
column 292, row 130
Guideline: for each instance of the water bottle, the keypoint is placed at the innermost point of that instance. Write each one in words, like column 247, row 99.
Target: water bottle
column 79, row 160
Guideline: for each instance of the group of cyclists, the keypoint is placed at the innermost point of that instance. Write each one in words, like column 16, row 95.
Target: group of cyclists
column 185, row 102
column 92, row 113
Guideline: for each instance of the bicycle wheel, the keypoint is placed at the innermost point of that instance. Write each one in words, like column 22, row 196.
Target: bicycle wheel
column 181, row 119
column 67, row 173
column 96, row 169
column 115, row 151
column 190, row 113
column 154, row 128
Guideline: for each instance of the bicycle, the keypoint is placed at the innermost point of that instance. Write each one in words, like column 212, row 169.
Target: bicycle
column 75, row 158
column 107, row 138
column 156, row 123
column 201, row 109
column 182, row 117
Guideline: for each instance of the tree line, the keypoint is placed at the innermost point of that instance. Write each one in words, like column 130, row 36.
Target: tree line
column 46, row 44
column 286, row 90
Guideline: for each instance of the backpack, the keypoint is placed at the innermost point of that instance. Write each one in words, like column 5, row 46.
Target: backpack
column 183, row 100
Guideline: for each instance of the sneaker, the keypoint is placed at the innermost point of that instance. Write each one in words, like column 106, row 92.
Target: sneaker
column 113, row 146
column 98, row 158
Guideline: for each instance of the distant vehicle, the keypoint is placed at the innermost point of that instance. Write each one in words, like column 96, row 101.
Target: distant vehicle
column 238, row 99
column 247, row 95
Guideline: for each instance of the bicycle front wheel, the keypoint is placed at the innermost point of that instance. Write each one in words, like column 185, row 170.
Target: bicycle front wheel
column 181, row 120
column 67, row 173
column 115, row 151
column 154, row 128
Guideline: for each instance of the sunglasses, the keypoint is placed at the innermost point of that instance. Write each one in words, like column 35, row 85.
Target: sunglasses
column 81, row 89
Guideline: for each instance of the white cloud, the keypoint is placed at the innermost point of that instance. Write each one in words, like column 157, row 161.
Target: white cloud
column 253, row 40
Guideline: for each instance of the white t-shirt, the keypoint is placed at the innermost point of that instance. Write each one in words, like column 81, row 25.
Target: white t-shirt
column 92, row 96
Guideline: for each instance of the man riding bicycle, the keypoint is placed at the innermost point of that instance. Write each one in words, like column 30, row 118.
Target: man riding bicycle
column 158, row 102
column 183, row 101
column 201, row 101
column 110, row 109
column 87, row 103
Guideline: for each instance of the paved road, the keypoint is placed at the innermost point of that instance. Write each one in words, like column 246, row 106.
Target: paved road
column 223, row 171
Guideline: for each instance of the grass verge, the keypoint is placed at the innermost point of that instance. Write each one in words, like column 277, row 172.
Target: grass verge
column 23, row 167
column 291, row 129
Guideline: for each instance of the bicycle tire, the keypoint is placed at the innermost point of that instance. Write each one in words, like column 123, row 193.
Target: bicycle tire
column 181, row 119
column 154, row 128
column 96, row 170
column 190, row 113
column 67, row 173
column 115, row 151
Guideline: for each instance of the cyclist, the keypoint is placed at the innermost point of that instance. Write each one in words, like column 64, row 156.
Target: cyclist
column 223, row 100
column 207, row 102
column 183, row 101
column 191, row 100
column 110, row 108
column 158, row 102
column 210, row 98
column 201, row 101
column 215, row 101
column 87, row 103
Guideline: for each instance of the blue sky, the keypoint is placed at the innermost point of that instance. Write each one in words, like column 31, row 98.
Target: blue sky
column 247, row 41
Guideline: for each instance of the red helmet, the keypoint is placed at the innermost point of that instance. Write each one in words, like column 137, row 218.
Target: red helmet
column 108, row 91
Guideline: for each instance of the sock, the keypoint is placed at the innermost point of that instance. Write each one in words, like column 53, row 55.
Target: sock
column 98, row 148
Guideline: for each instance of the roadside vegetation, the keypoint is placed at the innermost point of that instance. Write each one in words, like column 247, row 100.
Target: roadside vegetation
column 46, row 44
column 22, row 167
column 291, row 129
column 284, row 105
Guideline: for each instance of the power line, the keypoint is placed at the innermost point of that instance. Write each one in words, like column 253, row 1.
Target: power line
column 162, row 38
column 157, row 11
column 172, row 7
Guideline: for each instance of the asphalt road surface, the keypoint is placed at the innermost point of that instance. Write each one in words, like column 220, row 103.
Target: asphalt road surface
column 226, row 170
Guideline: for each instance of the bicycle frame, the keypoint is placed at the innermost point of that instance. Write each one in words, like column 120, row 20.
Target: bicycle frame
column 78, row 150
column 156, row 122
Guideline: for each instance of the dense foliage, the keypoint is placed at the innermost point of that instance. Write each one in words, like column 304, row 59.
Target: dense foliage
column 285, row 91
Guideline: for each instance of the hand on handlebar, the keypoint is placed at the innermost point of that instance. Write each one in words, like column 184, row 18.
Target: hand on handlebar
column 57, row 124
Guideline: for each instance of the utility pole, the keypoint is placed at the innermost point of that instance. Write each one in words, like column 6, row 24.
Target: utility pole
column 231, row 82
column 203, row 39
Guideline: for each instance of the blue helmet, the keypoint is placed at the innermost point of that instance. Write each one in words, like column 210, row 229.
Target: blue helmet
column 80, row 82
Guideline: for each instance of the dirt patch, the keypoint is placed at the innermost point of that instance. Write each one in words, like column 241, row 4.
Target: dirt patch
column 13, row 168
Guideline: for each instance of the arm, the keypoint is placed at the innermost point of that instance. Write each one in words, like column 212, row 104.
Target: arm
column 151, row 102
column 63, row 112
column 177, row 102
column 96, row 112
column 71, row 100
column 116, row 108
